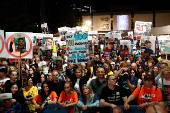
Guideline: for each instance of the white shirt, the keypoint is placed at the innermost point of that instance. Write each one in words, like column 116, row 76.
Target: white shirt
column 164, row 83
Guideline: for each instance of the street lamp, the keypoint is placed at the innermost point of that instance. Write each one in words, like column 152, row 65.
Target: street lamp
column 88, row 22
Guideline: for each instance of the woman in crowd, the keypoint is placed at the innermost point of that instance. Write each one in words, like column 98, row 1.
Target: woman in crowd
column 165, row 78
column 17, row 97
column 140, row 70
column 147, row 94
column 68, row 98
column 78, row 80
column 35, row 77
column 43, row 78
column 108, row 69
column 156, row 73
column 88, row 99
column 47, row 96
column 30, row 92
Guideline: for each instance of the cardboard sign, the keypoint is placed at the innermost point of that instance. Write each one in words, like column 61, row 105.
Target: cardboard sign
column 148, row 45
column 142, row 28
column 57, row 63
column 77, row 48
column 43, row 67
column 48, row 41
column 11, row 45
column 2, row 44
column 125, row 47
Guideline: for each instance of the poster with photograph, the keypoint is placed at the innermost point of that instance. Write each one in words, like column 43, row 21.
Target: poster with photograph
column 57, row 63
column 62, row 31
column 48, row 41
column 80, row 29
column 125, row 48
column 44, row 28
column 77, row 48
column 93, row 36
column 5, row 102
column 130, row 36
column 47, row 54
column 35, row 37
column 111, row 42
column 56, row 41
column 43, row 67
column 136, row 48
column 148, row 45
column 2, row 44
column 20, row 43
column 165, row 45
column 62, row 47
column 142, row 28
column 90, row 46
column 11, row 46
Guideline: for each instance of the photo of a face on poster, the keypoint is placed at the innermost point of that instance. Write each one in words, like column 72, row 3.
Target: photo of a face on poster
column 20, row 44
column 57, row 63
column 125, row 47
column 39, row 41
column 43, row 67
column 5, row 102
column 165, row 47
column 148, row 45
column 47, row 54
column 111, row 44
column 62, row 47
column 48, row 42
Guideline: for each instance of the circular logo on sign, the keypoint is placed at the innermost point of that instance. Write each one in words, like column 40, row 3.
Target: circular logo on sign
column 9, row 40
column 2, row 40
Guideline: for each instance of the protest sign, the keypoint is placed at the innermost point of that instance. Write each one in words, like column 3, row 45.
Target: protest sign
column 111, row 42
column 62, row 47
column 148, row 45
column 2, row 44
column 142, row 28
column 130, row 36
column 35, row 37
column 20, row 44
column 92, row 35
column 136, row 49
column 125, row 47
column 5, row 103
column 165, row 44
column 44, row 28
column 11, row 46
column 43, row 67
column 48, row 41
column 77, row 48
column 57, row 63
column 47, row 53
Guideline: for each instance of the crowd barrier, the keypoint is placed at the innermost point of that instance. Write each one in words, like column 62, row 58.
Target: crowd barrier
column 58, row 109
column 12, row 109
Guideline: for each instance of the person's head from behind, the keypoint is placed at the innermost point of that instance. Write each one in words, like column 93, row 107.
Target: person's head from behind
column 134, row 66
column 158, row 107
column 3, row 71
column 14, row 88
column 117, row 109
column 68, row 87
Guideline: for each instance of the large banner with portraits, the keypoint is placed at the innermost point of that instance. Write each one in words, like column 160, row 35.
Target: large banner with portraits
column 19, row 45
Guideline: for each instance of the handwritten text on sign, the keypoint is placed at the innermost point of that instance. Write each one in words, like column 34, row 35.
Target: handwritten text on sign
column 77, row 48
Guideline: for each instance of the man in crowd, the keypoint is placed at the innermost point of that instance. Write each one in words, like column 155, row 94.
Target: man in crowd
column 3, row 77
column 99, row 83
column 56, row 84
column 112, row 95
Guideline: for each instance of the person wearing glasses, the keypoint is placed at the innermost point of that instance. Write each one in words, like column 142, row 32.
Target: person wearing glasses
column 112, row 94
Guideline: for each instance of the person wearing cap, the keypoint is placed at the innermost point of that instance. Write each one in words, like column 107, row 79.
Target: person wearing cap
column 110, row 43
column 147, row 94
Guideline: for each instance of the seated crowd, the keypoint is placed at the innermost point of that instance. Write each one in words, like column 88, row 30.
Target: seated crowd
column 111, row 83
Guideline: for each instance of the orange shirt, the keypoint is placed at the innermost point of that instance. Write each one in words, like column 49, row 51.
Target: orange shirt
column 147, row 95
column 70, row 99
column 50, row 97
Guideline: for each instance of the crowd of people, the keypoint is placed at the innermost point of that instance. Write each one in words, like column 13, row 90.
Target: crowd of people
column 109, row 82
